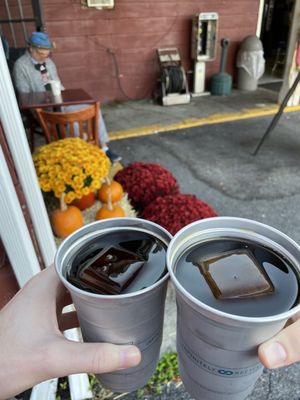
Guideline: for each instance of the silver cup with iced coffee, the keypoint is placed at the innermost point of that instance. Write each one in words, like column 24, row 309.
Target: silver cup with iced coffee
column 237, row 283
column 116, row 273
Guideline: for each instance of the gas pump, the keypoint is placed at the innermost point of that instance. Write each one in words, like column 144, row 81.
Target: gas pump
column 203, row 47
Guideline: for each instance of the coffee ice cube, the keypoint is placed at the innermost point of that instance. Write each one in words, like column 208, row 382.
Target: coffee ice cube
column 110, row 271
column 235, row 274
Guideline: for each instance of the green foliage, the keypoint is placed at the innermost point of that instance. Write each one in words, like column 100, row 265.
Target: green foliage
column 92, row 380
column 166, row 371
column 63, row 383
column 62, row 389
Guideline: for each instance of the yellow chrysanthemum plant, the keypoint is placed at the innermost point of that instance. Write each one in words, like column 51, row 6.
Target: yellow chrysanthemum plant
column 70, row 169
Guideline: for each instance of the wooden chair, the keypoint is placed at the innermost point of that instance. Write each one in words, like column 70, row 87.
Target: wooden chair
column 32, row 127
column 59, row 125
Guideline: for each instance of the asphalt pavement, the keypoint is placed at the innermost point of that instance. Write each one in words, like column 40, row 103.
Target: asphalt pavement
column 214, row 161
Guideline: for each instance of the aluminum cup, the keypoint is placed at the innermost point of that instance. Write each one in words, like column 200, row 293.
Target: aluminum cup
column 133, row 318
column 217, row 351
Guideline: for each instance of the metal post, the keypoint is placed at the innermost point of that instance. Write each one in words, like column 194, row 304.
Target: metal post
column 278, row 115
column 37, row 12
column 285, row 100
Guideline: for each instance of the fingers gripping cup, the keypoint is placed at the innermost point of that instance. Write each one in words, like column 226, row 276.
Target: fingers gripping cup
column 116, row 273
column 237, row 283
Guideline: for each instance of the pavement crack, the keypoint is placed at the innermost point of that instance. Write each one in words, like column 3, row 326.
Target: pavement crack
column 250, row 193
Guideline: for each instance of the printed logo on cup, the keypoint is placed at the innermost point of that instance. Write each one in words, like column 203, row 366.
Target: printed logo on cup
column 216, row 369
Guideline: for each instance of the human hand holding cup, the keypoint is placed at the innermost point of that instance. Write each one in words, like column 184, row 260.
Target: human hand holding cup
column 133, row 315
column 217, row 349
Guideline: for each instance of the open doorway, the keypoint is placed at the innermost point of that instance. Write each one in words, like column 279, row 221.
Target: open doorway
column 275, row 27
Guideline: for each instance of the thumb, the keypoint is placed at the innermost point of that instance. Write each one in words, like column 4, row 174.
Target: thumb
column 72, row 357
column 283, row 349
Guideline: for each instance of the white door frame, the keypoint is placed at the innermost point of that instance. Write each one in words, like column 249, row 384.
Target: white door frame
column 18, row 144
column 292, row 41
column 293, row 36
column 13, row 228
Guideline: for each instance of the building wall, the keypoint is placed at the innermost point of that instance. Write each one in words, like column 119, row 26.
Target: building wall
column 111, row 53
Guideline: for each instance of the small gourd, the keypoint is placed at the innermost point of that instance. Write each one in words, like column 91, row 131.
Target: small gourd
column 85, row 201
column 110, row 210
column 66, row 219
column 115, row 211
column 113, row 188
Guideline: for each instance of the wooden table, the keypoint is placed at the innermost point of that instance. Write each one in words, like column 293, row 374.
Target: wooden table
column 28, row 101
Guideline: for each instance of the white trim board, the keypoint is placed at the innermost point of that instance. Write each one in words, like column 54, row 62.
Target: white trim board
column 13, row 228
column 18, row 144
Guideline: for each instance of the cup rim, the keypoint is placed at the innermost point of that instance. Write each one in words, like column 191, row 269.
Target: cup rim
column 58, row 263
column 208, row 310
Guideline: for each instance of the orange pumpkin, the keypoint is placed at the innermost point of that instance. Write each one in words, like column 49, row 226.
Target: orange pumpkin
column 110, row 211
column 113, row 189
column 66, row 219
column 85, row 201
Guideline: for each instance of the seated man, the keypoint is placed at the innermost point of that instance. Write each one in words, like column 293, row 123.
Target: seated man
column 33, row 71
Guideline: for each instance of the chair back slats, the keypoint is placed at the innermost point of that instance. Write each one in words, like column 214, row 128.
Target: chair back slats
column 81, row 123
column 72, row 131
column 89, row 128
column 53, row 132
column 60, row 130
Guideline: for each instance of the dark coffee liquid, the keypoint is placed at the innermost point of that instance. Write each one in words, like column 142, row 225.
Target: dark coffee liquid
column 118, row 263
column 209, row 271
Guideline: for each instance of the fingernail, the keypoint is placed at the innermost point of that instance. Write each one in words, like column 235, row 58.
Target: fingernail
column 130, row 356
column 275, row 354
